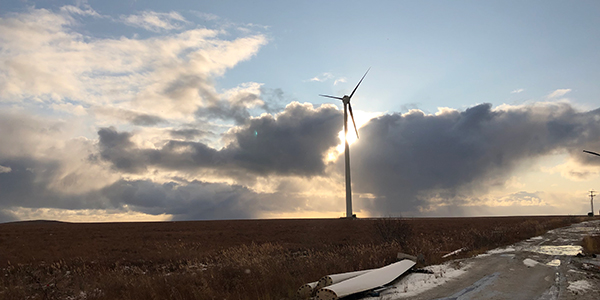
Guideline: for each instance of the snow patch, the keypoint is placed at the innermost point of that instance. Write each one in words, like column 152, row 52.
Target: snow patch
column 530, row 262
column 536, row 238
column 416, row 283
column 579, row 286
column 555, row 250
column 554, row 263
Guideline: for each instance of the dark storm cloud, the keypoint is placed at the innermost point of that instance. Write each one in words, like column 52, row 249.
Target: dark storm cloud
column 294, row 143
column 189, row 201
column 6, row 216
column 188, row 134
column 135, row 118
column 226, row 111
column 117, row 148
column 274, row 100
column 146, row 120
column 239, row 106
column 403, row 160
column 29, row 185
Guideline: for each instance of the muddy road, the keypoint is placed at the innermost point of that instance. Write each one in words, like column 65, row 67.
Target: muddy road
column 543, row 267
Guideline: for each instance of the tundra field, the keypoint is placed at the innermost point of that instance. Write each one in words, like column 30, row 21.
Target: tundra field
column 240, row 259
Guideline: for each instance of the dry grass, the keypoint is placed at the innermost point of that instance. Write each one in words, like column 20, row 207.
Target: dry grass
column 266, row 259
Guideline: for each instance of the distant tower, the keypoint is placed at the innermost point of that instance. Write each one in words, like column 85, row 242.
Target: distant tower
column 592, row 201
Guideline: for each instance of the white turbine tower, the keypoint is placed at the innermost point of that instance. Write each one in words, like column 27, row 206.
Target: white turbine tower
column 348, row 106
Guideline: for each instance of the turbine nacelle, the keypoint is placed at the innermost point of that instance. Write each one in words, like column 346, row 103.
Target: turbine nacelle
column 347, row 105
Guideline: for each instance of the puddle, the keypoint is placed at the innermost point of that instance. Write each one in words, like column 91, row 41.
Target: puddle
column 554, row 263
column 555, row 250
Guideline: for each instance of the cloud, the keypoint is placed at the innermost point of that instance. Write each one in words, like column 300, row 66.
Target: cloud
column 4, row 169
column 322, row 77
column 45, row 60
column 188, row 201
column 188, row 134
column 404, row 160
column 341, row 79
column 154, row 21
column 205, row 16
column 558, row 93
column 328, row 76
column 50, row 172
column 133, row 117
column 7, row 216
column 410, row 163
column 517, row 91
column 77, row 10
column 235, row 104
column 294, row 142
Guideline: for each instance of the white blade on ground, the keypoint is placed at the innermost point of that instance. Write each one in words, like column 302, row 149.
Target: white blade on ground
column 306, row 290
column 365, row 282
column 337, row 278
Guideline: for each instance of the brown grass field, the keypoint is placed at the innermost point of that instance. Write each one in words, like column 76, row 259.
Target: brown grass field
column 241, row 259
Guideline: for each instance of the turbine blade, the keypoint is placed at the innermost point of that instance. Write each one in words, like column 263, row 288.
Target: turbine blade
column 332, row 97
column 359, row 83
column 351, row 115
column 590, row 152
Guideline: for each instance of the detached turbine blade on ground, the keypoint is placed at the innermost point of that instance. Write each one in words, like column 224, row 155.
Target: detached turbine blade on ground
column 332, row 97
column 590, row 152
column 359, row 82
column 352, row 116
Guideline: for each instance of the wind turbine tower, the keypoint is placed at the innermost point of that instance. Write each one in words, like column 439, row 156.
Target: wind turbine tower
column 348, row 107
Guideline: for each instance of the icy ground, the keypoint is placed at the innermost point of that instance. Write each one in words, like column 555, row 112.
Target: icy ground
column 542, row 268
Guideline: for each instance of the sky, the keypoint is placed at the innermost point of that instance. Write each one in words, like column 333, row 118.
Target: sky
column 201, row 110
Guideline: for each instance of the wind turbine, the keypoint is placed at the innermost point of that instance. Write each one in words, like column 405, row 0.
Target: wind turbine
column 590, row 152
column 348, row 107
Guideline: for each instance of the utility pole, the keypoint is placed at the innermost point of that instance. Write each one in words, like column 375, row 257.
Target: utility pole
column 592, row 201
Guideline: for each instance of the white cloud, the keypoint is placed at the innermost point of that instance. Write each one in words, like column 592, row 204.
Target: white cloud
column 4, row 169
column 205, row 16
column 75, row 10
column 341, row 79
column 154, row 21
column 517, row 91
column 322, row 77
column 558, row 93
column 43, row 57
column 573, row 170
column 328, row 76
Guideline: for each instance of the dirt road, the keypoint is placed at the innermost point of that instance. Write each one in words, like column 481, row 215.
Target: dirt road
column 544, row 267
